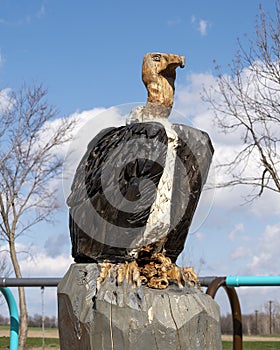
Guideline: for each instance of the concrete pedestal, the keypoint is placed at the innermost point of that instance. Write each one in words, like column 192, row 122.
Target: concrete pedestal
column 127, row 318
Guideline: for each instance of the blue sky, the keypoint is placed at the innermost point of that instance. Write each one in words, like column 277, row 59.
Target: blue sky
column 89, row 54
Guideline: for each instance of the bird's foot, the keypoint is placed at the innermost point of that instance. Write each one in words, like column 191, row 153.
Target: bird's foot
column 158, row 272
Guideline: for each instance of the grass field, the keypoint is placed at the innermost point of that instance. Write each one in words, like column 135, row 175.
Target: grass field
column 32, row 342
column 254, row 345
column 52, row 342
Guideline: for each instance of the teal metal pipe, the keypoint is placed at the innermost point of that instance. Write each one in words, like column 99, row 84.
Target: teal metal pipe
column 14, row 320
column 250, row 281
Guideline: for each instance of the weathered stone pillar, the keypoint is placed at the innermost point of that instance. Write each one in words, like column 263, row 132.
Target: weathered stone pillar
column 123, row 317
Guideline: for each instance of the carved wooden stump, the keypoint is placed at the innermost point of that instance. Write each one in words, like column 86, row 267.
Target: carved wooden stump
column 126, row 318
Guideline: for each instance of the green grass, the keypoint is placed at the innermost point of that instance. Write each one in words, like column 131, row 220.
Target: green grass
column 30, row 328
column 4, row 327
column 254, row 345
column 37, row 342
column 227, row 345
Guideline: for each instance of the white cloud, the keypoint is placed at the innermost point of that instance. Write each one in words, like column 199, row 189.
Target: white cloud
column 240, row 253
column 266, row 258
column 203, row 26
column 55, row 244
column 35, row 262
column 5, row 100
column 260, row 256
column 199, row 235
column 237, row 228
column 42, row 265
column 266, row 205
column 84, row 134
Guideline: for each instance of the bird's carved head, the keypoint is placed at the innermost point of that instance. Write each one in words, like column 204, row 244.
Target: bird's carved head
column 158, row 75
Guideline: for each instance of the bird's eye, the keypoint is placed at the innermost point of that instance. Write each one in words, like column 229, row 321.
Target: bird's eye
column 156, row 58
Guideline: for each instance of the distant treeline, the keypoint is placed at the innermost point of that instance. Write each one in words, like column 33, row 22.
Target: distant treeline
column 33, row 321
column 256, row 323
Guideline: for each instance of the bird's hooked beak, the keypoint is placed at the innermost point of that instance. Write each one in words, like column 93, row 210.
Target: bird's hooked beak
column 182, row 61
column 169, row 63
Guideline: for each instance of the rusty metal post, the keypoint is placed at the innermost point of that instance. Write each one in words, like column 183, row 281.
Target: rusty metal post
column 235, row 309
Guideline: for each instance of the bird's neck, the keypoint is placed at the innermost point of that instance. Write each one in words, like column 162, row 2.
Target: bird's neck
column 156, row 110
column 160, row 97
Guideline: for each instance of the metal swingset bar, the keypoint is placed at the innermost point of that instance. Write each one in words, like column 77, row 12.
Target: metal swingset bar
column 228, row 283
column 29, row 282
column 235, row 308
column 252, row 281
column 231, row 281
column 14, row 319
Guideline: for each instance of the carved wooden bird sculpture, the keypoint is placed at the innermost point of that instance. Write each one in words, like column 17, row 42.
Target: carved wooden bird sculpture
column 137, row 186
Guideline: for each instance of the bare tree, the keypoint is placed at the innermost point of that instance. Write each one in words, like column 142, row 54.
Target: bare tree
column 247, row 102
column 5, row 270
column 28, row 164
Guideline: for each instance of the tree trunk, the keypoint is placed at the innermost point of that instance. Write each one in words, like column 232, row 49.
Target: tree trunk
column 23, row 326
